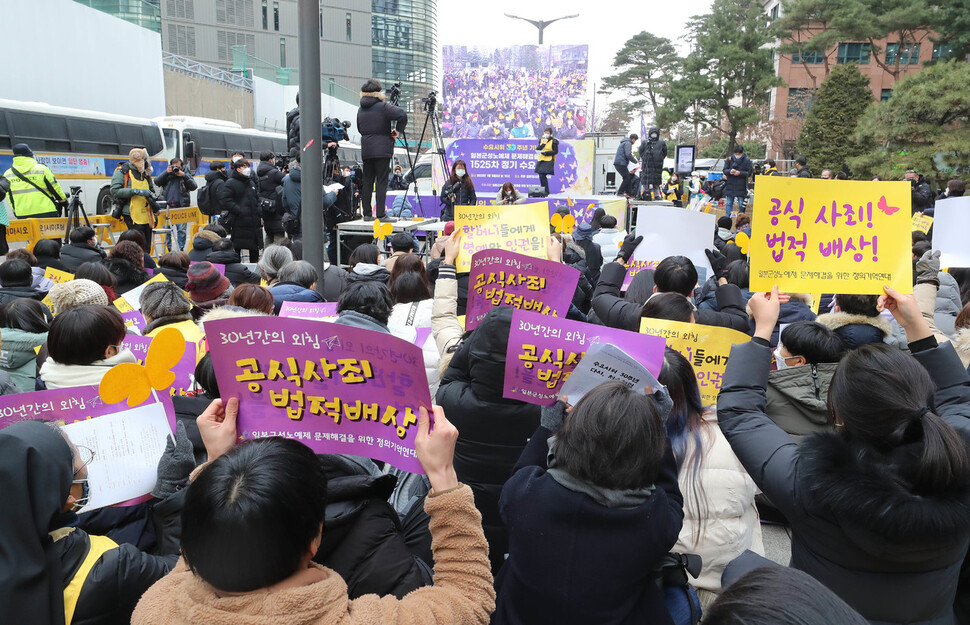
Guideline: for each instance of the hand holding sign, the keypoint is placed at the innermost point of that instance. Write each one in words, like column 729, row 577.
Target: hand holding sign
column 217, row 425
column 435, row 448
column 765, row 308
column 905, row 310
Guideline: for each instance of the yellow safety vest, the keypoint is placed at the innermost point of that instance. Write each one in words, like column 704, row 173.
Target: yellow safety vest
column 138, row 207
column 99, row 545
column 546, row 146
column 25, row 198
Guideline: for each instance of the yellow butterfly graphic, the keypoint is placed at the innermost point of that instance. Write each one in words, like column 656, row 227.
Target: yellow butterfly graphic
column 135, row 382
column 382, row 230
column 743, row 241
column 563, row 225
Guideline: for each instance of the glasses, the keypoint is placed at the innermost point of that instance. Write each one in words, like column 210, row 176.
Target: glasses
column 86, row 456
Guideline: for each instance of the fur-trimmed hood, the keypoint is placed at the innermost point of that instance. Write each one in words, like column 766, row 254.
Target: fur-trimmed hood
column 857, row 330
column 961, row 343
column 855, row 487
column 227, row 312
column 370, row 98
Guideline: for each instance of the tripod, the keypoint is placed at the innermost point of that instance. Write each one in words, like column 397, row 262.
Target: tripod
column 75, row 211
column 437, row 140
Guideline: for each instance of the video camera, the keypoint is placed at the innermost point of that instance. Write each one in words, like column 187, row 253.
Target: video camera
column 430, row 102
column 334, row 130
column 394, row 94
column 281, row 161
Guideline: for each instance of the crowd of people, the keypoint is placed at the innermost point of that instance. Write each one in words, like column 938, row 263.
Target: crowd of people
column 848, row 427
column 513, row 103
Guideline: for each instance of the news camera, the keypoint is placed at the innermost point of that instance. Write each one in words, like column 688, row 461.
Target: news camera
column 334, row 130
column 394, row 94
column 430, row 102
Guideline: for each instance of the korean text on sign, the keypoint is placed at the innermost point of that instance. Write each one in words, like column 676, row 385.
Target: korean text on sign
column 543, row 351
column 500, row 278
column 706, row 347
column 335, row 388
column 520, row 228
column 826, row 236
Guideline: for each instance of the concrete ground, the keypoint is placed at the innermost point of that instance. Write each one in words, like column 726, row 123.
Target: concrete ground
column 777, row 539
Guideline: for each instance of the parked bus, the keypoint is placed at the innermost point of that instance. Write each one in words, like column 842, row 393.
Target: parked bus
column 82, row 148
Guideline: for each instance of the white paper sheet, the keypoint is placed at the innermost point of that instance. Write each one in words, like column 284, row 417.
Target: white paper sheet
column 605, row 362
column 127, row 446
column 671, row 231
column 950, row 223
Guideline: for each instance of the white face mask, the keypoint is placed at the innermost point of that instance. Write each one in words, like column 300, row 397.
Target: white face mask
column 460, row 173
column 246, row 172
column 780, row 362
column 546, row 136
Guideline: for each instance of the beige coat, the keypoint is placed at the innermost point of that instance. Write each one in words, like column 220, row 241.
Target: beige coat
column 445, row 327
column 731, row 520
column 462, row 593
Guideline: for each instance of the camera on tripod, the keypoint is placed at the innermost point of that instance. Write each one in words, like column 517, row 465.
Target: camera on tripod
column 430, row 102
column 335, row 130
column 394, row 94
column 281, row 161
column 75, row 191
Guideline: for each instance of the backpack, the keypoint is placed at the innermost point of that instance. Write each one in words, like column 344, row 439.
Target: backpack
column 207, row 203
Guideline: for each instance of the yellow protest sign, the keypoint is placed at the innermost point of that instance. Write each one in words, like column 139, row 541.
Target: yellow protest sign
column 706, row 347
column 922, row 223
column 521, row 228
column 811, row 236
column 58, row 276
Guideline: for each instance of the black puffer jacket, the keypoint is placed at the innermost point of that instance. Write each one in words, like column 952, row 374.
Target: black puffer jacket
column 652, row 155
column 76, row 254
column 493, row 430
column 737, row 186
column 237, row 272
column 128, row 275
column 201, row 248
column 374, row 119
column 891, row 554
column 271, row 178
column 176, row 276
column 583, row 296
column 363, row 539
column 614, row 311
column 239, row 198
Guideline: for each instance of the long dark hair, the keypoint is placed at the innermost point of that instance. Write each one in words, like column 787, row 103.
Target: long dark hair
column 409, row 280
column 885, row 400
column 24, row 314
column 685, row 428
column 467, row 180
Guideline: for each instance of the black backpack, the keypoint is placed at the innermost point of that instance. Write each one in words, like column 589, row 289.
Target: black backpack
column 208, row 204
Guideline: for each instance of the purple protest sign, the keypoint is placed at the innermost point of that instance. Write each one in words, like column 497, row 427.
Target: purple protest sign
column 68, row 405
column 185, row 369
column 501, row 278
column 337, row 389
column 309, row 310
column 134, row 320
column 544, row 350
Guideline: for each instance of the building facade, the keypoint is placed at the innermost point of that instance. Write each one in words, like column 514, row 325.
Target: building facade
column 404, row 36
column 803, row 76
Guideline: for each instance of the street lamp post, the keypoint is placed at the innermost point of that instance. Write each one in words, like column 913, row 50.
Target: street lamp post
column 541, row 24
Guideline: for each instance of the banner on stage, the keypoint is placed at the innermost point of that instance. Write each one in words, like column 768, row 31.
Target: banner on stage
column 671, row 231
column 522, row 228
column 337, row 389
column 543, row 351
column 844, row 236
column 500, row 278
column 706, row 347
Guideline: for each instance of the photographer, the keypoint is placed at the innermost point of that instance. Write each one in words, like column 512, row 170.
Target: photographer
column 508, row 194
column 270, row 198
column 374, row 120
column 175, row 188
column 337, row 208
column 923, row 197
column 397, row 182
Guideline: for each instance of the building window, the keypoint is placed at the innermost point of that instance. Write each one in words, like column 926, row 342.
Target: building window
column 181, row 40
column 350, row 27
column 854, row 53
column 941, row 51
column 799, row 102
column 282, row 51
column 225, row 40
column 236, row 12
column 276, row 16
column 774, row 12
column 811, row 58
column 908, row 53
column 321, row 23
column 885, row 95
column 265, row 15
column 181, row 9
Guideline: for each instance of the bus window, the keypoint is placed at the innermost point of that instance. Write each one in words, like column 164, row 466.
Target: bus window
column 42, row 132
column 4, row 132
column 170, row 137
column 280, row 146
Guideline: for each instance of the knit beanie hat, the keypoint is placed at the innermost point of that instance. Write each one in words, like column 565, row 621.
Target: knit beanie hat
column 81, row 292
column 164, row 299
column 208, row 235
column 205, row 282
column 725, row 222
column 449, row 228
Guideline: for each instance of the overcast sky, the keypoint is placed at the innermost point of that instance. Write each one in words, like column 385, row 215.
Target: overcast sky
column 599, row 25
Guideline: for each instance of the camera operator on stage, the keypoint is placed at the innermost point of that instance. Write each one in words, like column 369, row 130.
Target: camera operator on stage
column 374, row 119
column 338, row 208
column 176, row 187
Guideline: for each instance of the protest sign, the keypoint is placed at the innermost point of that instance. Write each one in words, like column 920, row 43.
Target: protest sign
column 845, row 236
column 513, row 228
column 134, row 321
column 337, row 389
column 58, row 276
column 67, row 405
column 218, row 267
column 921, row 223
column 543, row 351
column 500, row 278
column 309, row 310
column 671, row 231
column 127, row 446
column 950, row 234
column 706, row 347
column 604, row 362
column 184, row 370
column 133, row 297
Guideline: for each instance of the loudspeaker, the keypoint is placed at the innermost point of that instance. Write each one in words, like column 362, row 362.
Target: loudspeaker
column 538, row 191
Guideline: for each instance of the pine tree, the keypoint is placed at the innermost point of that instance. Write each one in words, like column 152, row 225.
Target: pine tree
column 826, row 138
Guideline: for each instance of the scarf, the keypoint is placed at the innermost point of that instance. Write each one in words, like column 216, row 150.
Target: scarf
column 607, row 497
column 57, row 375
column 165, row 321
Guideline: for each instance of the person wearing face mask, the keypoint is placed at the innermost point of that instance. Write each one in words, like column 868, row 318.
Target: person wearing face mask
column 673, row 190
column 546, row 161
column 53, row 572
column 521, row 130
column 653, row 151
column 238, row 197
column 375, row 119
column 508, row 194
column 458, row 191
column 397, row 182
column 131, row 186
column 806, row 359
